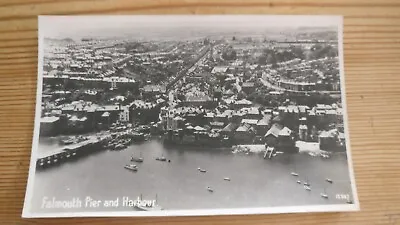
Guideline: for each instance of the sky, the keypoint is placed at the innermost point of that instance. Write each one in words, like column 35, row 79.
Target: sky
column 76, row 27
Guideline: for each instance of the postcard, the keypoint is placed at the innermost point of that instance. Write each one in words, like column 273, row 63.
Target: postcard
column 178, row 115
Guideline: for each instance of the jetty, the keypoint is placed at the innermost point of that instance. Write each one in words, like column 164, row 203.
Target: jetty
column 64, row 153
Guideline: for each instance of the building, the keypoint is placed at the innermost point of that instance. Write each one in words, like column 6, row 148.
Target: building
column 286, row 142
column 244, row 134
column 150, row 90
column 328, row 140
column 229, row 130
column 219, row 70
column 303, row 132
column 271, row 137
column 124, row 114
column 296, row 86
column 243, row 103
column 248, row 87
column 49, row 126
column 263, row 125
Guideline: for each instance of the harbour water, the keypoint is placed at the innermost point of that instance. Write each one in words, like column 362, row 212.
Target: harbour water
column 254, row 181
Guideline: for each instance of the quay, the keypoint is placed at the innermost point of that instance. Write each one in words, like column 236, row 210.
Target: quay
column 65, row 153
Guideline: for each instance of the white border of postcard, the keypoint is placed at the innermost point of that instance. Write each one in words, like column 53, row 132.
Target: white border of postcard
column 26, row 213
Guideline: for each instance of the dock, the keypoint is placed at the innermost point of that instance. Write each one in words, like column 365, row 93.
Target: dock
column 268, row 152
column 64, row 153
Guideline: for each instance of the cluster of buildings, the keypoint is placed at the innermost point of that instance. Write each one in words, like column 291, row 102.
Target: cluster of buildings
column 204, row 103
column 306, row 76
column 240, row 122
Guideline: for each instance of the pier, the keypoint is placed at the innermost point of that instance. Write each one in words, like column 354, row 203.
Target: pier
column 68, row 152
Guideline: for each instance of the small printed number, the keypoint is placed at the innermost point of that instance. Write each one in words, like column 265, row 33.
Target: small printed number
column 343, row 196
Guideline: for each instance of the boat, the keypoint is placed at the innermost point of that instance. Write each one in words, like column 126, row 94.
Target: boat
column 146, row 207
column 306, row 183
column 299, row 182
column 131, row 167
column 210, row 189
column 307, row 188
column 294, row 174
column 227, row 178
column 202, row 170
column 349, row 201
column 137, row 159
column 162, row 158
column 324, row 195
column 328, row 180
column 67, row 141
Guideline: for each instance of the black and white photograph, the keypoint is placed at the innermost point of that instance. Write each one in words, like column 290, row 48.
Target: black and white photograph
column 176, row 115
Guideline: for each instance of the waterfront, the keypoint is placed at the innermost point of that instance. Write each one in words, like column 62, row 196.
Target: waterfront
column 254, row 181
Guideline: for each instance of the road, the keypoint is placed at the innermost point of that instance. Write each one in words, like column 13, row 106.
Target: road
column 189, row 69
column 269, row 85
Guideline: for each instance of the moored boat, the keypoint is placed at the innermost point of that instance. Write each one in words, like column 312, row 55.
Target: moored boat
column 162, row 158
column 131, row 167
column 328, row 180
column 137, row 159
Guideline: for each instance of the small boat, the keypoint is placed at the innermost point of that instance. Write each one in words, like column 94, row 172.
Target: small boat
column 294, row 174
column 299, row 182
column 210, row 189
column 202, row 170
column 324, row 195
column 137, row 159
column 328, row 180
column 67, row 141
column 307, row 188
column 349, row 201
column 227, row 178
column 162, row 158
column 306, row 183
column 131, row 167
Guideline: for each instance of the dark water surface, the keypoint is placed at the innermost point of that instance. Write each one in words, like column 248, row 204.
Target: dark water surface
column 255, row 182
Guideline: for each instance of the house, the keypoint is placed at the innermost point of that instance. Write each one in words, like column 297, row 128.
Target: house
column 263, row 124
column 124, row 114
column 49, row 126
column 229, row 129
column 219, row 70
column 251, row 122
column 248, row 87
column 237, row 116
column 197, row 101
column 251, row 113
column 244, row 134
column 286, row 140
column 242, row 104
column 78, row 124
column 152, row 90
column 328, row 140
column 217, row 125
column 271, row 137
